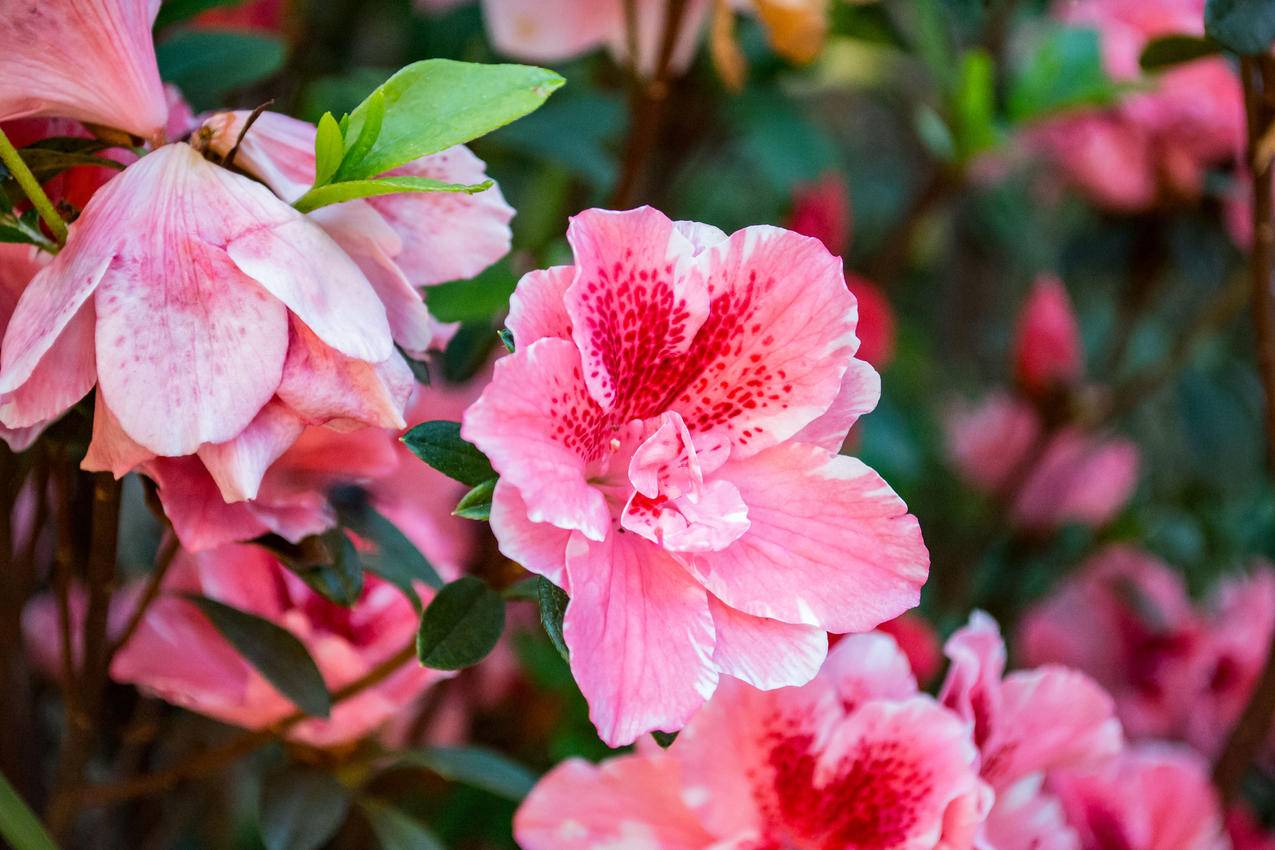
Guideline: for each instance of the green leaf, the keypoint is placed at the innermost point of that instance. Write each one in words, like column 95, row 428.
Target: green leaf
column 461, row 625
column 207, row 65
column 329, row 147
column 506, row 339
column 664, row 739
column 302, row 809
column 348, row 190
column 337, row 575
column 934, row 133
column 176, row 11
column 477, row 767
column 368, row 135
column 469, row 350
column 553, row 608
column 439, row 444
column 1245, row 26
column 436, row 103
column 1064, row 72
column 476, row 504
column 476, row 299
column 396, row 559
column 525, row 590
column 1169, row 50
column 974, row 107
column 274, row 651
column 18, row 824
column 396, row 830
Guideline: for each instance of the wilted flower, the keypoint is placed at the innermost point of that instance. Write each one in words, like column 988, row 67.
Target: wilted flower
column 665, row 435
column 179, row 656
column 214, row 319
column 855, row 758
column 90, row 60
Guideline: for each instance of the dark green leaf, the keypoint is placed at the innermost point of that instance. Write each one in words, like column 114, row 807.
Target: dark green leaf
column 476, row 299
column 396, row 559
column 1064, row 72
column 175, row 11
column 275, row 653
column 526, row 590
column 209, row 64
column 553, row 609
column 302, row 809
column 461, row 625
column 436, row 103
column 375, row 105
column 329, row 147
column 1170, row 50
column 1245, row 26
column 478, row 767
column 338, row 574
column 506, row 339
column 476, row 504
column 468, row 351
column 18, row 824
column 866, row 22
column 664, row 739
column 420, row 368
column 348, row 190
column 439, row 444
column 396, row 830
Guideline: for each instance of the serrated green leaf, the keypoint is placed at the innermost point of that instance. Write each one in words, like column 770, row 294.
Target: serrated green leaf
column 434, row 104
column 461, row 625
column 396, row 558
column 329, row 147
column 302, row 809
column 273, row 651
column 1169, row 50
column 368, row 134
column 477, row 767
column 335, row 193
column 476, row 504
column 1245, row 26
column 553, row 609
column 396, row 830
column 439, row 444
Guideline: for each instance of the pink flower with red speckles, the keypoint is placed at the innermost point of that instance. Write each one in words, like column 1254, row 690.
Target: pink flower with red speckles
column 856, row 758
column 666, row 437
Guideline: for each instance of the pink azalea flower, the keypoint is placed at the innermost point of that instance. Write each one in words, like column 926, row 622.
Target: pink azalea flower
column 1155, row 145
column 214, row 319
column 665, row 435
column 918, row 641
column 401, row 242
column 1153, row 797
column 1047, row 350
column 180, row 657
column 554, row 30
column 18, row 265
column 91, row 60
column 1077, row 478
column 855, row 758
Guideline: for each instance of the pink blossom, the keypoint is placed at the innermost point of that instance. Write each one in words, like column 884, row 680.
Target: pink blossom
column 855, row 758
column 665, row 436
column 876, row 321
column 214, row 319
column 821, row 210
column 554, row 30
column 180, row 657
column 1156, row 145
column 401, row 242
column 1153, row 797
column 18, row 265
column 90, row 60
column 1077, row 477
column 918, row 641
column 1047, row 349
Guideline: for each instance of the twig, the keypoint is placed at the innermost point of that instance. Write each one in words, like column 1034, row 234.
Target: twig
column 1254, row 723
column 229, row 159
column 31, row 188
column 214, row 760
column 164, row 558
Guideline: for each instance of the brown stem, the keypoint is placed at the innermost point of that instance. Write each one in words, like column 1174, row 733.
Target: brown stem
column 647, row 101
column 164, row 558
column 219, row 758
column 1254, row 723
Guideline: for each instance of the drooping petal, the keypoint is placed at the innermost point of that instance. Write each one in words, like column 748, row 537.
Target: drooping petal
column 537, row 309
column 535, row 422
column 765, row 653
column 640, row 634
column 238, row 465
column 632, row 802
column 111, row 449
column 91, row 60
column 829, row 543
column 65, row 374
column 200, row 517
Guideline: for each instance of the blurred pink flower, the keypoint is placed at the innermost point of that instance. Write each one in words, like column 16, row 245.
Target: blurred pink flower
column 180, row 657
column 90, row 60
column 821, row 210
column 855, row 758
column 1245, row 832
column 666, row 435
column 1156, row 145
column 214, row 320
column 918, row 641
column 268, row 15
column 400, row 242
column 1153, row 797
column 1077, row 477
column 1047, row 348
column 875, row 326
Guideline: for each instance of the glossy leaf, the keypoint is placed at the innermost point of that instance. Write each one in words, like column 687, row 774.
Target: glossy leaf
column 349, row 190
column 396, row 558
column 273, row 651
column 478, row 767
column 461, row 625
column 476, row 504
column 369, row 133
column 329, row 147
column 337, row 574
column 439, row 444
column 553, row 608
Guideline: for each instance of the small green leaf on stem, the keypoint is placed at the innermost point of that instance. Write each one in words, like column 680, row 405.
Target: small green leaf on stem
column 476, row 504
column 348, row 190
column 396, row 830
column 329, row 147
column 461, row 625
column 477, row 767
column 439, row 444
column 553, row 610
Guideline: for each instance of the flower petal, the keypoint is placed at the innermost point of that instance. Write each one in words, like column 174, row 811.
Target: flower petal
column 765, row 653
column 860, row 391
column 239, row 464
column 538, row 547
column 537, row 308
column 65, row 374
column 550, row 30
column 112, row 449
